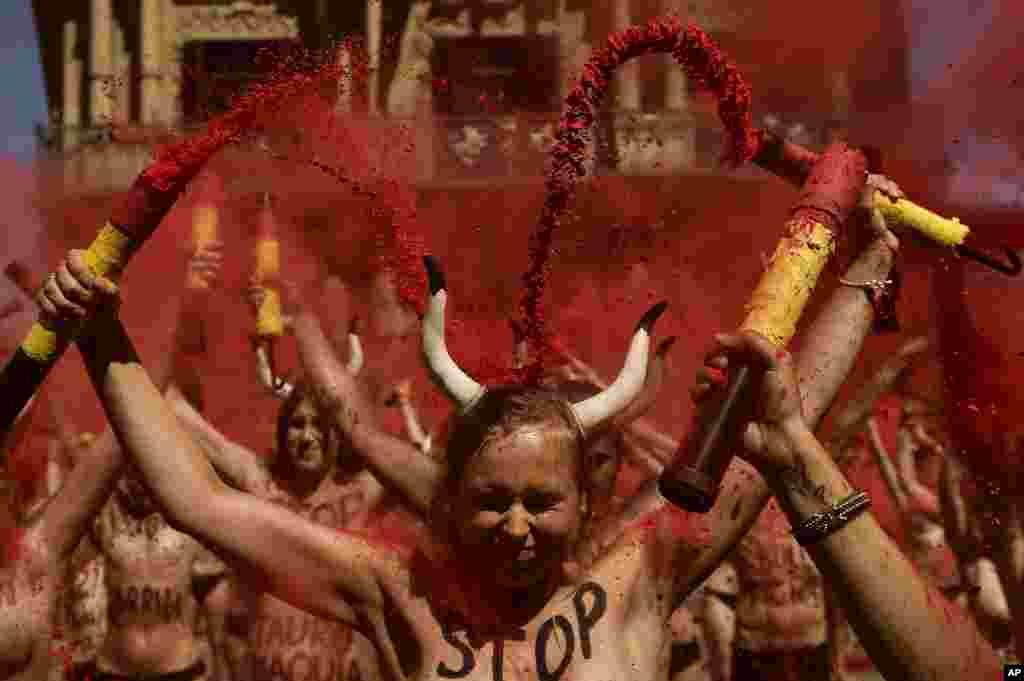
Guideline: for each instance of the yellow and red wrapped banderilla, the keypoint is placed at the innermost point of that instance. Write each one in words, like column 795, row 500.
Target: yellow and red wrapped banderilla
column 793, row 163
column 205, row 221
column 830, row 193
column 267, row 276
column 269, row 321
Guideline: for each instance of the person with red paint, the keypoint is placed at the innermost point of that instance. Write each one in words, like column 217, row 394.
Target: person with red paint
column 913, row 523
column 882, row 413
column 156, row 578
column 515, row 596
column 985, row 533
column 335, row 575
column 418, row 479
column 40, row 546
column 313, row 474
column 781, row 619
column 703, row 627
column 694, row 655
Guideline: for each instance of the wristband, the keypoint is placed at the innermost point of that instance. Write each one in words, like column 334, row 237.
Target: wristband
column 821, row 525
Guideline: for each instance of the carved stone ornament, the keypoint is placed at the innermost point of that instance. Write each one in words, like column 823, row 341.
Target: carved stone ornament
column 238, row 21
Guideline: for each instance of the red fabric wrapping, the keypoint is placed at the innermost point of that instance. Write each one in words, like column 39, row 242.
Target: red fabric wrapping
column 833, row 188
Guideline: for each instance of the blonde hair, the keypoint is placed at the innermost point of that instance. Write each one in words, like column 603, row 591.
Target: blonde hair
column 498, row 413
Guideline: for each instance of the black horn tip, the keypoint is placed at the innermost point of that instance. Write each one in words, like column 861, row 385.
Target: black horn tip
column 435, row 277
column 666, row 345
column 651, row 316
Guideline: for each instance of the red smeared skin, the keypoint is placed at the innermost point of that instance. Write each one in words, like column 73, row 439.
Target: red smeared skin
column 717, row 376
column 12, row 542
column 705, row 66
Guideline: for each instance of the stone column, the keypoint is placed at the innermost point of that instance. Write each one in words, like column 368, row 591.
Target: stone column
column 627, row 81
column 170, row 64
column 345, row 84
column 72, row 116
column 677, row 90
column 374, row 19
column 680, row 143
column 573, row 47
column 151, row 56
column 121, row 88
column 100, row 62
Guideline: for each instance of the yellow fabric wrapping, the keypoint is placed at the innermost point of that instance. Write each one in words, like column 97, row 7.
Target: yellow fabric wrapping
column 268, row 259
column 948, row 231
column 107, row 256
column 269, row 323
column 41, row 344
column 784, row 289
column 204, row 232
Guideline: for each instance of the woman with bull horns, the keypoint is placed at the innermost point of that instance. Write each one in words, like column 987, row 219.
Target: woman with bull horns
column 519, row 507
column 516, row 598
column 316, row 475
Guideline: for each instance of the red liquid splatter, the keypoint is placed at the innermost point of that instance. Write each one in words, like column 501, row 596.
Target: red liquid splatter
column 706, row 67
column 978, row 328
column 296, row 77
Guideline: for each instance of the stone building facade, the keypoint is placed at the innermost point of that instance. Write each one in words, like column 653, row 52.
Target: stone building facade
column 132, row 61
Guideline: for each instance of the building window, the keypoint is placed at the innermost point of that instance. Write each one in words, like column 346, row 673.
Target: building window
column 217, row 71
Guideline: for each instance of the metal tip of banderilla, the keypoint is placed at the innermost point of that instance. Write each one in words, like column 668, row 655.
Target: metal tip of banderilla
column 1011, row 268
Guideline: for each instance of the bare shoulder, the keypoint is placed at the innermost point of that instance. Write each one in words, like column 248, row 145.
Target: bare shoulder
column 624, row 565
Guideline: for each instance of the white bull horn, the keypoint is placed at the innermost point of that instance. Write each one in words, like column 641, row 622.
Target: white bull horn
column 652, row 386
column 599, row 409
column 462, row 389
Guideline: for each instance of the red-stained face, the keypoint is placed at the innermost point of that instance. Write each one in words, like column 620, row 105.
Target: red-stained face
column 520, row 507
column 306, row 439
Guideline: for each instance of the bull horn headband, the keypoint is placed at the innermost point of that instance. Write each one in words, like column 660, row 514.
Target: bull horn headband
column 464, row 391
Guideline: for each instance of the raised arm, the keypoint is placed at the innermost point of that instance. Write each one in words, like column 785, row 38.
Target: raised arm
column 401, row 397
column 831, row 346
column 996, row 606
column 830, row 349
column 852, row 419
column 908, row 628
column 889, row 473
column 912, row 436
column 395, row 462
column 238, row 465
column 1008, row 556
column 313, row 568
column 68, row 515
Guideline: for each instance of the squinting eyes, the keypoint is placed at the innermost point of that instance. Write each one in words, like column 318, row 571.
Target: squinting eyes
column 540, row 505
column 495, row 503
column 501, row 504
